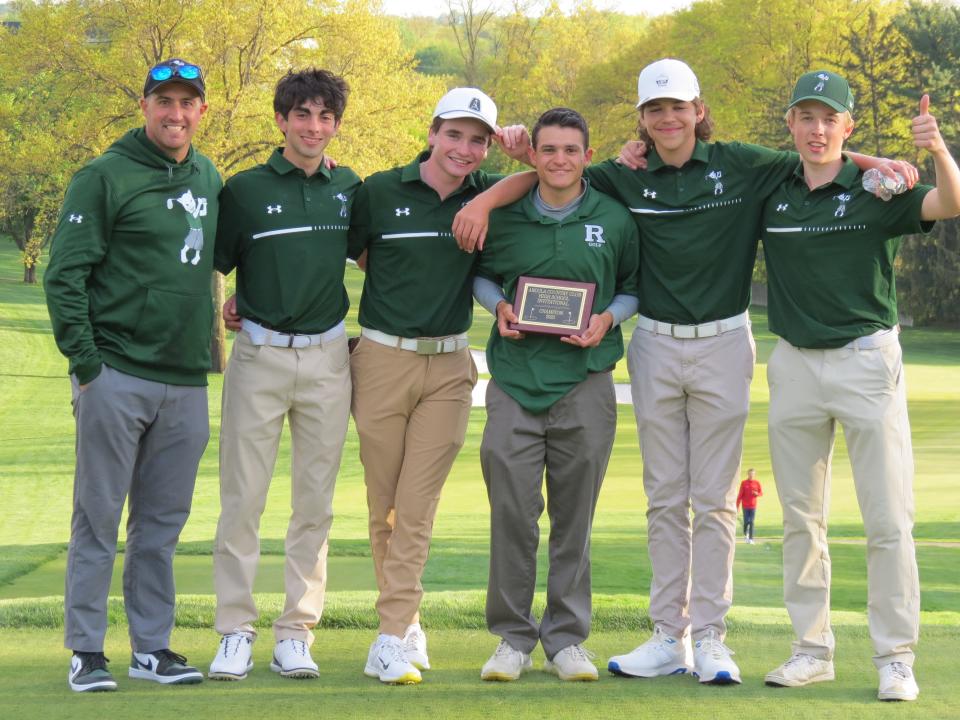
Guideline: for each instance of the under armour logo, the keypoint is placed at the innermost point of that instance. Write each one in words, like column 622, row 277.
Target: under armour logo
column 75, row 218
column 475, row 104
column 782, row 206
column 823, row 77
column 650, row 193
column 274, row 209
column 402, row 211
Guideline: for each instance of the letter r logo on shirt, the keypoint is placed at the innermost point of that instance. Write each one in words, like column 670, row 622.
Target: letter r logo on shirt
column 594, row 235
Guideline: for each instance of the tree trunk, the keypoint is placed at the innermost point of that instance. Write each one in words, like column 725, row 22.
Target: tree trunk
column 30, row 275
column 218, row 338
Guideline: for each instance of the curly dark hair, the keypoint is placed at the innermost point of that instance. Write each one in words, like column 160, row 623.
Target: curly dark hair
column 308, row 84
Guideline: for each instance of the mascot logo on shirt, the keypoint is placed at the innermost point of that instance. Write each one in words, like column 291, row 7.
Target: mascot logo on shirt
column 717, row 185
column 343, row 203
column 195, row 208
column 843, row 199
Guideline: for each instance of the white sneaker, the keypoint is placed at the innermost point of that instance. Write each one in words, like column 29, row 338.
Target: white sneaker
column 415, row 645
column 234, row 657
column 660, row 655
column 506, row 664
column 572, row 663
column 712, row 662
column 291, row 658
column 801, row 669
column 897, row 682
column 388, row 661
column 749, row 541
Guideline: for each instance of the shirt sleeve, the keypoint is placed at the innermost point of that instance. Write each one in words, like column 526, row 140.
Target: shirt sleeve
column 767, row 168
column 901, row 215
column 358, row 237
column 488, row 293
column 79, row 243
column 226, row 251
column 603, row 177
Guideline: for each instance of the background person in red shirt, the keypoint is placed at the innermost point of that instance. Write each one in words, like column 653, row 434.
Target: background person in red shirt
column 750, row 492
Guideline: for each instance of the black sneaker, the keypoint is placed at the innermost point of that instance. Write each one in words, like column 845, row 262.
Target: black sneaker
column 163, row 666
column 88, row 673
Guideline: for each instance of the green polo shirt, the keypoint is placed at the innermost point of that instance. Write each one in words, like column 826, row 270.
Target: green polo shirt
column 596, row 243
column 286, row 234
column 418, row 281
column 699, row 226
column 830, row 254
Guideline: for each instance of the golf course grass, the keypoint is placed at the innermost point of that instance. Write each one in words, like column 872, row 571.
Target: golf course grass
column 36, row 467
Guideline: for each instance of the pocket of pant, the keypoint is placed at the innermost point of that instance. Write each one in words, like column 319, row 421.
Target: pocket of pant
column 891, row 356
column 339, row 352
column 244, row 350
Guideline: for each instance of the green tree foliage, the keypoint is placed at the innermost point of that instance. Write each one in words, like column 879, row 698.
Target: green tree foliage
column 929, row 266
column 68, row 102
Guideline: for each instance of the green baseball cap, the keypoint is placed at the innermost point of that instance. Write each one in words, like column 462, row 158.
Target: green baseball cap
column 823, row 86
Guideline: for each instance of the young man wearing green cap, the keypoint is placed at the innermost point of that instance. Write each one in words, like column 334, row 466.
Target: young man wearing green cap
column 283, row 226
column 128, row 290
column 413, row 376
column 830, row 248
column 551, row 405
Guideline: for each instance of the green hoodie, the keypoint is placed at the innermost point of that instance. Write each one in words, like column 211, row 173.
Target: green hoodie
column 128, row 283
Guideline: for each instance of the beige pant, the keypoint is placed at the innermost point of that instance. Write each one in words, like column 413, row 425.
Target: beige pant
column 691, row 399
column 411, row 413
column 262, row 385
column 810, row 391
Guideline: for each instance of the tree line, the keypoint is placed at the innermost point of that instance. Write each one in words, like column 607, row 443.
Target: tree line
column 71, row 72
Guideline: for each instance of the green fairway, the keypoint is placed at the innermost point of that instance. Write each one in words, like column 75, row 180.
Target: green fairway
column 36, row 467
column 37, row 689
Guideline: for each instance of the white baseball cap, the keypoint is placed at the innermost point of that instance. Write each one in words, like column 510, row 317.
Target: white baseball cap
column 667, row 78
column 468, row 103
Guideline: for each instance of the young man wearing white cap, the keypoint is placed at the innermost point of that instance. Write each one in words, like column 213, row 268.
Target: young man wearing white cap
column 830, row 248
column 413, row 375
column 697, row 206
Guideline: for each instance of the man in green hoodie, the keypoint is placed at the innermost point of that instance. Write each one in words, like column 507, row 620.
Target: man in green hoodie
column 128, row 290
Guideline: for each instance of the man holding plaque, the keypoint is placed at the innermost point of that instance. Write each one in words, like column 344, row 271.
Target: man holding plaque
column 551, row 403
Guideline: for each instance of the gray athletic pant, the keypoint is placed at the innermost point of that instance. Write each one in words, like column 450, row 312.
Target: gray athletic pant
column 572, row 440
column 143, row 440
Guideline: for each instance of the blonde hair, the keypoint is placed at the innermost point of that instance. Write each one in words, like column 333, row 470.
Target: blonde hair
column 846, row 114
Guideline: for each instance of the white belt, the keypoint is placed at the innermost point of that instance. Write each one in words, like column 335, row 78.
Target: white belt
column 259, row 335
column 878, row 339
column 421, row 346
column 691, row 332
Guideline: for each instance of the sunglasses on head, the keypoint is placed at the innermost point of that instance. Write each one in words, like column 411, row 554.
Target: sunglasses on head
column 165, row 72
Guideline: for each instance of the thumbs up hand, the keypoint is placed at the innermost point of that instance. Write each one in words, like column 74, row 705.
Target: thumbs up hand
column 926, row 133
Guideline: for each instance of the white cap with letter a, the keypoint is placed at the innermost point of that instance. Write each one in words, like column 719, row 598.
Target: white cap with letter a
column 468, row 103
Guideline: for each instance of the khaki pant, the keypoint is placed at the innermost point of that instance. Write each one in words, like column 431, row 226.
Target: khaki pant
column 262, row 385
column 691, row 399
column 411, row 413
column 810, row 391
